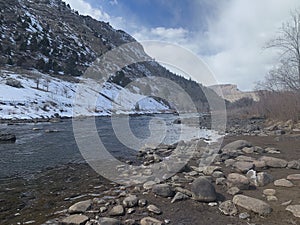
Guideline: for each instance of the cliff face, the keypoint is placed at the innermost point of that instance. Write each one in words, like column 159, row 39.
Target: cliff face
column 231, row 93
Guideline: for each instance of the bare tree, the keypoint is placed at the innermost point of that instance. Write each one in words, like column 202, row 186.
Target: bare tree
column 286, row 75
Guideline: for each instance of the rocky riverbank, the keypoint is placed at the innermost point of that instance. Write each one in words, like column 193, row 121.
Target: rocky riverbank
column 254, row 179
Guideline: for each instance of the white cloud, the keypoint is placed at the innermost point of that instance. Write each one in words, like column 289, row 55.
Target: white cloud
column 233, row 44
column 85, row 8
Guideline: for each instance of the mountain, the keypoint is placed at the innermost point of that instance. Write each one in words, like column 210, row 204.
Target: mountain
column 46, row 48
column 231, row 93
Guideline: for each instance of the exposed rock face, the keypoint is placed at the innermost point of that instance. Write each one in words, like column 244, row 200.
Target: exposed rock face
column 232, row 93
column 203, row 190
column 252, row 204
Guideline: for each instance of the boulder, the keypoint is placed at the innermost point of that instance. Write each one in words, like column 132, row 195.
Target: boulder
column 163, row 190
column 237, row 145
column 117, row 211
column 283, row 183
column 80, row 207
column 108, row 221
column 75, row 220
column 274, row 162
column 228, row 208
column 252, row 204
column 150, row 221
column 269, row 192
column 293, row 177
column 295, row 209
column 154, row 209
column 294, row 164
column 179, row 197
column 130, row 201
column 203, row 190
column 243, row 167
column 263, row 178
column 238, row 180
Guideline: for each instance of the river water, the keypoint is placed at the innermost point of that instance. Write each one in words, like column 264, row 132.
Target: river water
column 36, row 149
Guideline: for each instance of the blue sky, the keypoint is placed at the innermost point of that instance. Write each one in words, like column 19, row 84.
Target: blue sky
column 227, row 35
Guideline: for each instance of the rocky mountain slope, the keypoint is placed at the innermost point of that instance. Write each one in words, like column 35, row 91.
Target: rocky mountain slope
column 47, row 37
column 231, row 93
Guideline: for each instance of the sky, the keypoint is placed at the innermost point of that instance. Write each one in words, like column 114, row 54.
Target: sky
column 227, row 35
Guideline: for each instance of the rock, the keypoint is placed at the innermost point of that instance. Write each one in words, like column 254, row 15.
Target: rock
column 108, row 221
column 150, row 221
column 272, row 198
column 163, row 190
column 229, row 162
column 244, row 216
column 295, row 164
column 203, row 190
column 142, row 202
column 149, row 184
column 130, row 210
column 283, row 183
column 293, row 177
column 179, row 197
column 4, row 138
column 154, row 209
column 234, row 191
column 237, row 145
column 75, row 220
column 252, row 204
column 243, row 167
column 238, row 180
column 80, row 207
column 263, row 178
column 217, row 174
column 295, row 209
column 14, row 83
column 117, row 211
column 274, row 162
column 103, row 209
column 269, row 192
column 259, row 164
column 221, row 181
column 130, row 201
column 270, row 150
column 130, row 222
column 184, row 191
column 248, row 150
column 208, row 170
column 228, row 208
column 287, row 203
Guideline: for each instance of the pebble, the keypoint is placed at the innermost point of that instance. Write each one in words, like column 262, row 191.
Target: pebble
column 154, row 209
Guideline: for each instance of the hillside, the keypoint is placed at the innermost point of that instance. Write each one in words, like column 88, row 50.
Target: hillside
column 47, row 39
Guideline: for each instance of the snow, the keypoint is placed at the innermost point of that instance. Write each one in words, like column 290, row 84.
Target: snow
column 57, row 96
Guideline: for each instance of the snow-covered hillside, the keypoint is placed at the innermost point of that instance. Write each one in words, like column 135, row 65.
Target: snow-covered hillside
column 44, row 96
